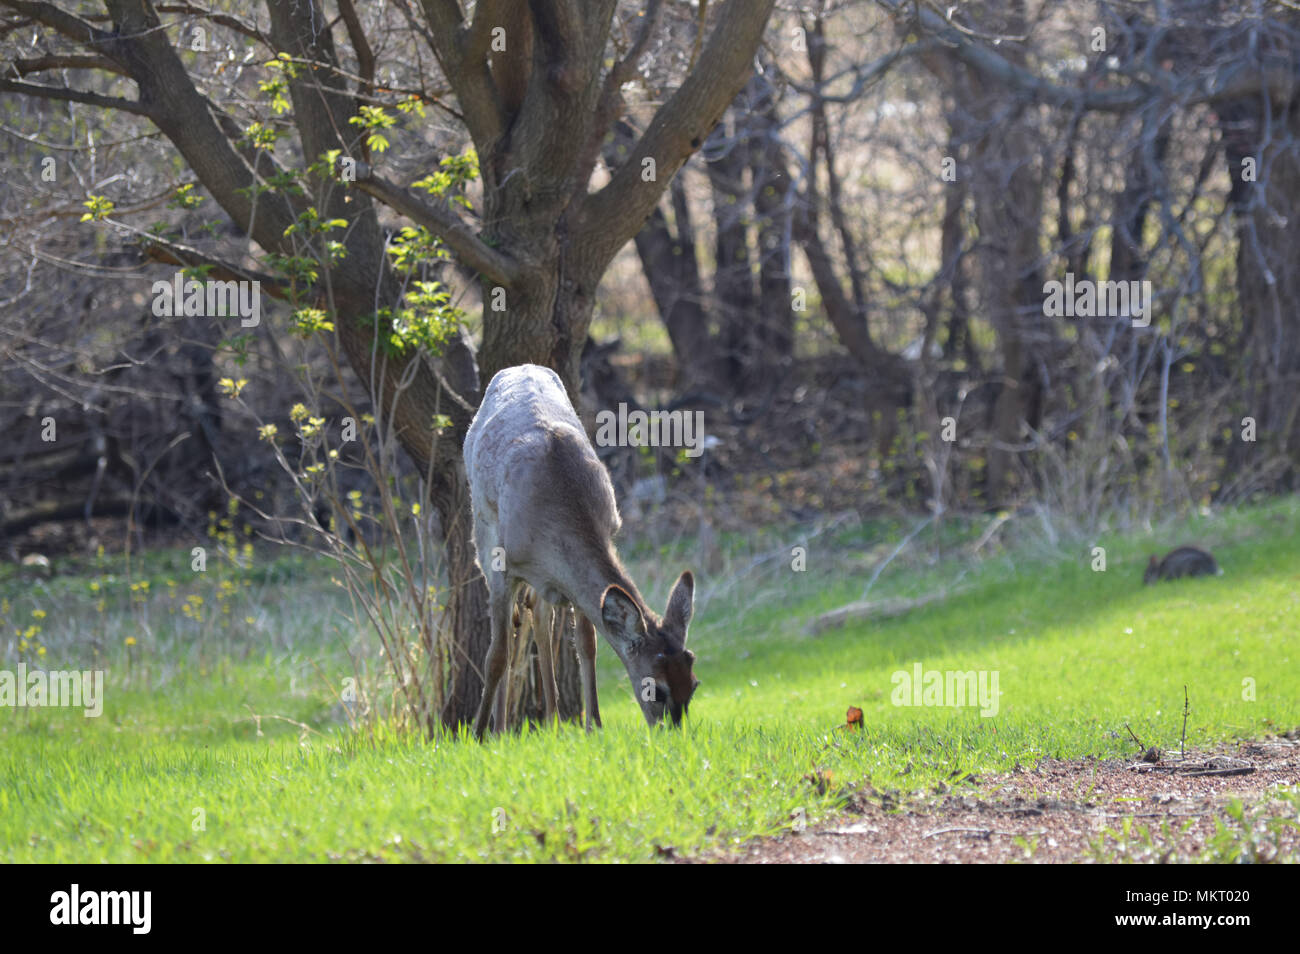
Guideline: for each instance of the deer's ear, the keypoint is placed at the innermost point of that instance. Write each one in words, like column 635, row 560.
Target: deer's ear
column 623, row 619
column 681, row 603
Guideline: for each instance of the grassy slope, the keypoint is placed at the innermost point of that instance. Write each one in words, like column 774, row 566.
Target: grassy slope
column 1078, row 653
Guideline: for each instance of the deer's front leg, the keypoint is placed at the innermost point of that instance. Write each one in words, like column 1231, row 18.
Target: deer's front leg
column 585, row 638
column 498, row 655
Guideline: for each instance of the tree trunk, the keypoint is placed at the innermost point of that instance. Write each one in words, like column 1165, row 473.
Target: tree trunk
column 952, row 255
column 670, row 266
column 1007, row 191
column 1266, row 212
column 466, row 637
column 772, row 208
column 733, row 280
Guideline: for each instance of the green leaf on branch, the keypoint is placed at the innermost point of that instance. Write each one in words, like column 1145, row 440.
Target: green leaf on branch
column 100, row 208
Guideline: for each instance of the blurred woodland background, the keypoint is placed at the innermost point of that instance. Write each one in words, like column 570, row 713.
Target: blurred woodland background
column 845, row 273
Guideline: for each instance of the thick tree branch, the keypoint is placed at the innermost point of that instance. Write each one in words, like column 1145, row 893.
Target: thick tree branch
column 323, row 113
column 611, row 217
column 39, row 64
column 609, row 109
column 230, row 22
column 552, row 128
column 446, row 16
column 1239, row 79
column 167, row 252
column 167, row 97
column 75, row 96
column 849, row 324
column 488, row 14
column 562, row 28
column 469, row 77
column 512, row 67
column 68, row 24
column 360, row 45
column 189, row 121
column 979, row 56
column 442, row 222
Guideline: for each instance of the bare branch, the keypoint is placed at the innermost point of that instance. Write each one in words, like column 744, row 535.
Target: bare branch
column 230, row 22
column 70, row 25
column 360, row 45
column 75, row 96
column 1242, row 79
column 38, row 64
column 167, row 252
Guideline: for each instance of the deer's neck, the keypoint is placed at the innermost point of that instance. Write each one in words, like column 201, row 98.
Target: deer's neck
column 603, row 571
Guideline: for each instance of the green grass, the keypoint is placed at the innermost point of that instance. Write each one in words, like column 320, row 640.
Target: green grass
column 176, row 768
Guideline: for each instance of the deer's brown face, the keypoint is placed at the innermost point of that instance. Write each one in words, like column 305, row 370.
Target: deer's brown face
column 674, row 684
column 654, row 650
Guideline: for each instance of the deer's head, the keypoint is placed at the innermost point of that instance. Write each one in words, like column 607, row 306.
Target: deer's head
column 654, row 650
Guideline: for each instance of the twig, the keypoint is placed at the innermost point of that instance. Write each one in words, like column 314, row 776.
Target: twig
column 1245, row 770
column 982, row 831
column 1147, row 814
column 897, row 550
column 257, row 718
column 1182, row 748
column 990, row 530
column 880, row 609
column 1135, row 738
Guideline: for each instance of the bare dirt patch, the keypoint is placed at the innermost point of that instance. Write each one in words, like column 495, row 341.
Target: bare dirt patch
column 1067, row 811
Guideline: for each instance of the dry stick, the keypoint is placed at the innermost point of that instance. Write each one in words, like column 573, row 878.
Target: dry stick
column 897, row 550
column 1147, row 814
column 256, row 719
column 1135, row 738
column 1182, row 748
column 1245, row 770
column 990, row 531
column 982, row 831
column 880, row 609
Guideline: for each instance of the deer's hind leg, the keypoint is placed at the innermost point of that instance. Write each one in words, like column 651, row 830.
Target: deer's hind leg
column 585, row 643
column 545, row 633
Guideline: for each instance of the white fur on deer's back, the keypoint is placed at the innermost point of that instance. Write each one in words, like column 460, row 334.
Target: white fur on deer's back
column 539, row 491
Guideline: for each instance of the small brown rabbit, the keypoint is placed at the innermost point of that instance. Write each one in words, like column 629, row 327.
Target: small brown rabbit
column 1184, row 561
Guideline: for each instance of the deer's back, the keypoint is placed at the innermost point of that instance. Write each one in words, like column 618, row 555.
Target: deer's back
column 533, row 472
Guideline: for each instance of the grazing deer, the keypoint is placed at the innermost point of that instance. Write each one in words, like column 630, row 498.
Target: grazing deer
column 545, row 516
